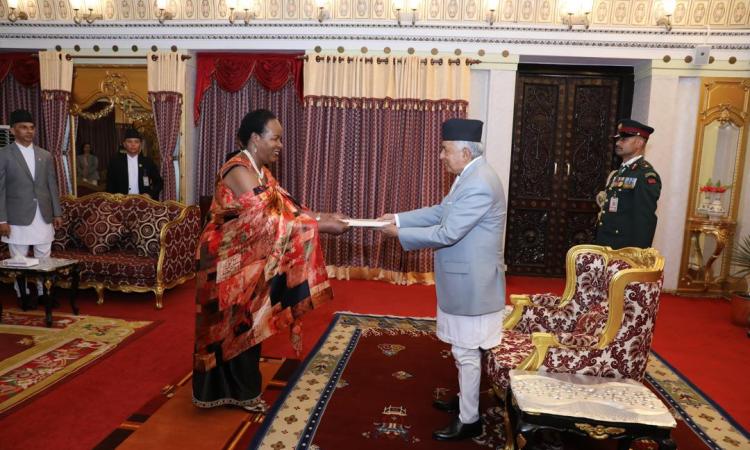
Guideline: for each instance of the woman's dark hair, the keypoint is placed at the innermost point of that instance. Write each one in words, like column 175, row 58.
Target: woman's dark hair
column 254, row 122
column 83, row 144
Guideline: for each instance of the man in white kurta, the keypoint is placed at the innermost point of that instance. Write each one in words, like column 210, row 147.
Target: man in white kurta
column 466, row 231
column 29, row 203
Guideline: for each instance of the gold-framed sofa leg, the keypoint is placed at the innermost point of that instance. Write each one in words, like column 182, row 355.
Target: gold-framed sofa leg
column 159, row 291
column 99, row 293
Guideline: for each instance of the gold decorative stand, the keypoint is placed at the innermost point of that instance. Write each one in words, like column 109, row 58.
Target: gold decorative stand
column 698, row 272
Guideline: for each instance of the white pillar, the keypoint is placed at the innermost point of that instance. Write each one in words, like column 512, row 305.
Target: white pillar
column 669, row 103
column 493, row 101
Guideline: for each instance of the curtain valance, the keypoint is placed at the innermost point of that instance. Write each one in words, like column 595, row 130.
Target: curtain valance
column 23, row 66
column 232, row 70
column 399, row 77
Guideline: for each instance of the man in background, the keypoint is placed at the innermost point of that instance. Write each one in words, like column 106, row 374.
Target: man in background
column 465, row 230
column 29, row 200
column 628, row 204
column 132, row 172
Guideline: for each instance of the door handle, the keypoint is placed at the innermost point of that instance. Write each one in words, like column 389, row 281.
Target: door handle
column 568, row 165
column 555, row 173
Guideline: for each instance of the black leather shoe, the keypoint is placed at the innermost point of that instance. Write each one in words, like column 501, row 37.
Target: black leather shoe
column 458, row 430
column 446, row 405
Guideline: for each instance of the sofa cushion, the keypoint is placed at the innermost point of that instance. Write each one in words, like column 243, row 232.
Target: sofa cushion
column 145, row 225
column 65, row 236
column 514, row 348
column 112, row 267
column 100, row 229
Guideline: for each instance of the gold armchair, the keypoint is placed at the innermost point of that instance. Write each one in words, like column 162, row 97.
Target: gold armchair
column 601, row 325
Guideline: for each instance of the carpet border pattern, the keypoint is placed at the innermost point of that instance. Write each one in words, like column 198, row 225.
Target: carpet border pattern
column 707, row 419
column 69, row 345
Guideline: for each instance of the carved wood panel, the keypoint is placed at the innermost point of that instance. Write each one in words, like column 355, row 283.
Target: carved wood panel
column 561, row 156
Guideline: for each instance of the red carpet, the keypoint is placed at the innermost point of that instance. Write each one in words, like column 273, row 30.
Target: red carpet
column 39, row 358
column 694, row 335
column 387, row 369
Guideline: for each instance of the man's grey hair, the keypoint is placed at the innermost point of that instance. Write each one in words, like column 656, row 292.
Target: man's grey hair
column 476, row 148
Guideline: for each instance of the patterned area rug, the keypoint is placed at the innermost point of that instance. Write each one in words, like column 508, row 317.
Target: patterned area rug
column 370, row 380
column 33, row 357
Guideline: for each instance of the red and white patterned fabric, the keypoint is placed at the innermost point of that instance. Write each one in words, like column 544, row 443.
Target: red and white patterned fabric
column 513, row 349
column 55, row 112
column 579, row 324
column 627, row 355
column 133, row 257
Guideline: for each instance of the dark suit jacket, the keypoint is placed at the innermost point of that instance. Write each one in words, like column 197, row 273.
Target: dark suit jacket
column 20, row 193
column 117, row 176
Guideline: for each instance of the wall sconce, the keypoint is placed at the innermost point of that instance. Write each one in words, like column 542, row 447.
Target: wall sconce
column 414, row 5
column 163, row 13
column 13, row 15
column 491, row 11
column 665, row 20
column 398, row 5
column 577, row 13
column 90, row 17
column 249, row 11
column 321, row 4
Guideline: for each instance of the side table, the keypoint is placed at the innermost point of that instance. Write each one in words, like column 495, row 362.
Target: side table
column 48, row 270
column 597, row 407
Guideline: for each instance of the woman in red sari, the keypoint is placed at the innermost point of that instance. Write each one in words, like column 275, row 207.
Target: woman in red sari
column 260, row 267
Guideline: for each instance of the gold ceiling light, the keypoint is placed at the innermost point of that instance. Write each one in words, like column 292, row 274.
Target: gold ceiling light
column 13, row 15
column 163, row 13
column 89, row 17
column 665, row 20
column 576, row 12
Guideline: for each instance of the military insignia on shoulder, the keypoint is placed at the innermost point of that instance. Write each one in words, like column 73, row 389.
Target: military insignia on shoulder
column 651, row 180
column 650, row 174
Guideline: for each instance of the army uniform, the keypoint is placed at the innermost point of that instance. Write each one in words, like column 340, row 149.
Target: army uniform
column 628, row 214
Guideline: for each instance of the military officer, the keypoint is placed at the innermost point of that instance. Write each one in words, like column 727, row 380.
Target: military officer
column 628, row 204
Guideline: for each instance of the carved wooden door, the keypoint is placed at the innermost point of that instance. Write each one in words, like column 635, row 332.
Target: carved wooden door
column 561, row 156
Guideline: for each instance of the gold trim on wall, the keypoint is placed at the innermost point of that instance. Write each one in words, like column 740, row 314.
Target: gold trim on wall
column 722, row 100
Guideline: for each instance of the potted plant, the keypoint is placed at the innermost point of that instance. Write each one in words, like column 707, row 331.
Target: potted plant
column 741, row 300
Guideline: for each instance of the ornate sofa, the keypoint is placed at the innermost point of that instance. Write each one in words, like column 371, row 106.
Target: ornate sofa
column 602, row 325
column 128, row 243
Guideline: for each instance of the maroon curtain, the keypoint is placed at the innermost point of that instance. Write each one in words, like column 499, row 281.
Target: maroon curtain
column 369, row 158
column 20, row 88
column 231, row 71
column 99, row 133
column 55, row 111
column 222, row 113
column 167, row 108
column 23, row 66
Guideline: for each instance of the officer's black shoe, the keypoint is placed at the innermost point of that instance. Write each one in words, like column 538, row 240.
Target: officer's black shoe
column 458, row 430
column 446, row 405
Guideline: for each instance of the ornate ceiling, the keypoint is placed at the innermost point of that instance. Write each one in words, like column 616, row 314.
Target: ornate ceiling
column 605, row 13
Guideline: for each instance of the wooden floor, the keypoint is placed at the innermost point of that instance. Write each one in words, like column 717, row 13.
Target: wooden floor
column 180, row 425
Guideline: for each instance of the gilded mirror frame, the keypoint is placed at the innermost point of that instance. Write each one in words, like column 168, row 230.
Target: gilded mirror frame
column 111, row 82
column 723, row 100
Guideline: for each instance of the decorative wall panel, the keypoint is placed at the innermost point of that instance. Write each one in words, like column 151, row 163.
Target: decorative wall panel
column 605, row 13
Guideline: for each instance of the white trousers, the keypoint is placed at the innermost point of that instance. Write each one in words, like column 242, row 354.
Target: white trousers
column 469, row 364
column 40, row 251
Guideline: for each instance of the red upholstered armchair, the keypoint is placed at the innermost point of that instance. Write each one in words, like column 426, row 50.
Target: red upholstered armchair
column 602, row 325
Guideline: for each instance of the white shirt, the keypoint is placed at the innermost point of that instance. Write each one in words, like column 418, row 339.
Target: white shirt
column 484, row 331
column 39, row 231
column 133, row 174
